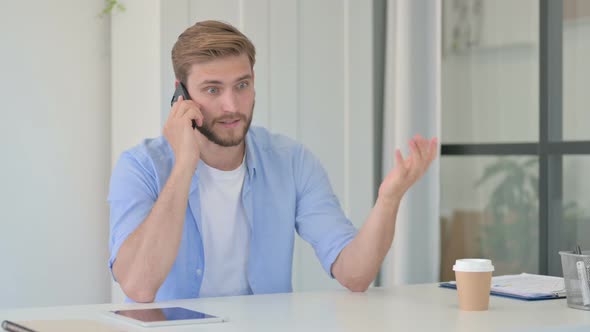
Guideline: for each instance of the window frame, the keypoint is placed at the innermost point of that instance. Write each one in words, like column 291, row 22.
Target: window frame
column 550, row 148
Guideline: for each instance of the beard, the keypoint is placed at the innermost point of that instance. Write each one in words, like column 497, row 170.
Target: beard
column 231, row 140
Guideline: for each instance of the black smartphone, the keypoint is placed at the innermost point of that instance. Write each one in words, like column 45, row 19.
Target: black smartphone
column 181, row 91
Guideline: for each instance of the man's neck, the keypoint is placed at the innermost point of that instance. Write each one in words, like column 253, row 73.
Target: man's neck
column 223, row 158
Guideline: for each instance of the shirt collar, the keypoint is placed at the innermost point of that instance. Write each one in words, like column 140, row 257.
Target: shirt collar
column 251, row 156
column 251, row 161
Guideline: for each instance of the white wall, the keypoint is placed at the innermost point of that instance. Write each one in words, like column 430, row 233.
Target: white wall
column 54, row 169
column 136, row 81
column 313, row 83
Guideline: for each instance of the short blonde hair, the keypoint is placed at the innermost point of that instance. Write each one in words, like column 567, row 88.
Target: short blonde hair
column 206, row 41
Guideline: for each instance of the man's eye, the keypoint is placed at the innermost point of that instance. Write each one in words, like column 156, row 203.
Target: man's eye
column 212, row 90
column 242, row 85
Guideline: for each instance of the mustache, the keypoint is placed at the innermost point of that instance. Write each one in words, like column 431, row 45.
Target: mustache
column 230, row 117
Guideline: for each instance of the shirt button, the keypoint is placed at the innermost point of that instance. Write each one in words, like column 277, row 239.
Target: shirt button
column 199, row 272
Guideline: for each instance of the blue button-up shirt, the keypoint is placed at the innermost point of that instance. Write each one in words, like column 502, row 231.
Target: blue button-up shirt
column 285, row 190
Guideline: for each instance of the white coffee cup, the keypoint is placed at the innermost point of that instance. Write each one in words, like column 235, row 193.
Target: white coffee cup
column 474, row 280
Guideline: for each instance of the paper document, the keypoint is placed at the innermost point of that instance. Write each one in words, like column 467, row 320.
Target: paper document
column 524, row 286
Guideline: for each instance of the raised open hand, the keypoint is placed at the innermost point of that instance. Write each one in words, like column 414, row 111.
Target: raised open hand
column 407, row 171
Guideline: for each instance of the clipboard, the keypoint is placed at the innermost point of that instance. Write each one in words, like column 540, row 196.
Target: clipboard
column 524, row 286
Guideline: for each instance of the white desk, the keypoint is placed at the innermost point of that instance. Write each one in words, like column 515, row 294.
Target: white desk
column 409, row 308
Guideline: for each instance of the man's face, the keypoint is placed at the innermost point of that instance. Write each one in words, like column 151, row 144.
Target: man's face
column 224, row 90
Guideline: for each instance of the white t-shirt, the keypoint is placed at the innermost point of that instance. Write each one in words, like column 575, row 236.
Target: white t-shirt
column 225, row 232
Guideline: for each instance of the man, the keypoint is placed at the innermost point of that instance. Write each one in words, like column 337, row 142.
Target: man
column 212, row 211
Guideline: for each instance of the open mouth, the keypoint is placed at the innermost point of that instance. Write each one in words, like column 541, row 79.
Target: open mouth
column 230, row 122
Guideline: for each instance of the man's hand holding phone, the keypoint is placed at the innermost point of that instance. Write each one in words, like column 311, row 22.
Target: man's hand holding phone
column 178, row 130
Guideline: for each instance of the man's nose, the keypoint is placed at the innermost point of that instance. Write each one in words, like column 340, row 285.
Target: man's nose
column 229, row 102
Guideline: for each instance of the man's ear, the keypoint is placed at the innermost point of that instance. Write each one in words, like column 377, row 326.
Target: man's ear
column 176, row 82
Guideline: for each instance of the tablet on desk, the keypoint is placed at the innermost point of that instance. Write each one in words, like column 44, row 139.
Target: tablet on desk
column 164, row 316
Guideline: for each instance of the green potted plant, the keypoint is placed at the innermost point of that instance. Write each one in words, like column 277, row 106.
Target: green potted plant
column 510, row 232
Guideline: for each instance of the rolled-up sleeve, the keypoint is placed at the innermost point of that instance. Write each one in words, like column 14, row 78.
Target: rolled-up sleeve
column 320, row 220
column 132, row 194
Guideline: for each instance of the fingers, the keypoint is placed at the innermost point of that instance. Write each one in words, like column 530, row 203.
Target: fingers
column 433, row 149
column 399, row 159
column 407, row 171
column 425, row 150
column 180, row 107
column 175, row 107
column 422, row 146
column 194, row 114
column 187, row 109
column 422, row 153
column 415, row 151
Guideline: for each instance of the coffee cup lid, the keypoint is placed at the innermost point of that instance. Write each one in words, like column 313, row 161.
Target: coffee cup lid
column 473, row 265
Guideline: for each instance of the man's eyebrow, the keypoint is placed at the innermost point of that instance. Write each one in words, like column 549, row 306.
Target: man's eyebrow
column 245, row 77
column 241, row 78
column 211, row 82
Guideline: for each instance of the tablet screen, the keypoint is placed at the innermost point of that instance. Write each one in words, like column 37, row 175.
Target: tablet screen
column 163, row 314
